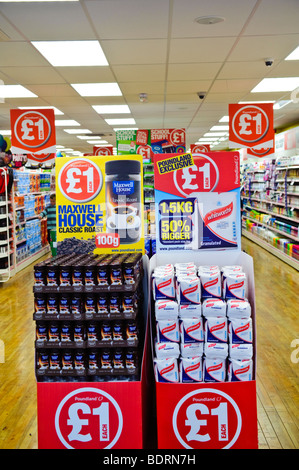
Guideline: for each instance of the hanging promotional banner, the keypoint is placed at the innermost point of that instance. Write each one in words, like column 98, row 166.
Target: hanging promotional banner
column 197, row 200
column 251, row 125
column 108, row 150
column 99, row 203
column 33, row 131
column 168, row 140
column 195, row 148
column 130, row 142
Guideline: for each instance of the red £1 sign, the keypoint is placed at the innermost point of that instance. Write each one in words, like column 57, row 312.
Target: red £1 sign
column 80, row 180
column 251, row 125
column 33, row 131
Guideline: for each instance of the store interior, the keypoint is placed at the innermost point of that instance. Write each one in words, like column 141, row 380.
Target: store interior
column 134, row 65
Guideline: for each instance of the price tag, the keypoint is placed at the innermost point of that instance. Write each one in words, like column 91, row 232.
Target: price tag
column 88, row 418
column 207, row 418
column 251, row 125
column 33, row 131
column 80, row 180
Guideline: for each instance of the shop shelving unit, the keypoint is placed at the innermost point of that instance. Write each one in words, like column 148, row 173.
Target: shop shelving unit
column 270, row 215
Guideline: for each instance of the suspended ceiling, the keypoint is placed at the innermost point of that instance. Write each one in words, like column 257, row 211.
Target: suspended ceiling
column 154, row 47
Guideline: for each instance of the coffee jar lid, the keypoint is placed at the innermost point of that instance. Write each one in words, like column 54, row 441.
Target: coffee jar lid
column 122, row 166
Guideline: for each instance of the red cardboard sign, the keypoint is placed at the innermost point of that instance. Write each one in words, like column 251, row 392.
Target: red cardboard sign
column 251, row 125
column 209, row 416
column 89, row 415
column 103, row 150
column 33, row 131
column 212, row 171
column 198, row 148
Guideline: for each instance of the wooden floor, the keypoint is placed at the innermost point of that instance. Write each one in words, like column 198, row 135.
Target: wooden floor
column 277, row 306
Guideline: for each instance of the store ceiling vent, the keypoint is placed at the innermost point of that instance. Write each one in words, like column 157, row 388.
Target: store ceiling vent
column 3, row 36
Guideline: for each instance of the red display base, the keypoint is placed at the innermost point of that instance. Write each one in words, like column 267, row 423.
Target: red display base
column 207, row 416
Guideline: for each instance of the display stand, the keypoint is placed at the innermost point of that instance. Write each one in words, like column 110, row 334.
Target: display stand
column 201, row 415
column 90, row 405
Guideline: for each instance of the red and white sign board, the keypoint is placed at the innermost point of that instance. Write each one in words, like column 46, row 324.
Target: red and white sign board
column 207, row 416
column 198, row 148
column 251, row 125
column 33, row 131
column 89, row 415
column 103, row 150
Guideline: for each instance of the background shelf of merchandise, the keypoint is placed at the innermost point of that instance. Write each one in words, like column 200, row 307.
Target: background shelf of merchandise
column 270, row 207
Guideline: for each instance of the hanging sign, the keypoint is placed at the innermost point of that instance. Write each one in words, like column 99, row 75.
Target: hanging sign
column 251, row 125
column 168, row 140
column 195, row 148
column 33, row 131
column 103, row 150
column 47, row 158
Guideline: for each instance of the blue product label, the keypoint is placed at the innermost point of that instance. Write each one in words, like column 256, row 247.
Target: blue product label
column 123, row 188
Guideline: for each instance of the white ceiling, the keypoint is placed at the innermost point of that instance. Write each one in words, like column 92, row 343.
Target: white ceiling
column 153, row 47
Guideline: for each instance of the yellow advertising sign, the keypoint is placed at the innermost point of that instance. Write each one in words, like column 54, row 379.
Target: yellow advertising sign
column 99, row 204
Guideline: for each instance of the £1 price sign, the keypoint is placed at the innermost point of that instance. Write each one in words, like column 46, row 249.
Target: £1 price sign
column 33, row 131
column 88, row 418
column 251, row 125
column 80, row 180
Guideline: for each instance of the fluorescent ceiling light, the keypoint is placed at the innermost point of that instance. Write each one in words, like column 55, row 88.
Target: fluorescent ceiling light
column 78, row 131
column 254, row 101
column 97, row 142
column 280, row 104
column 293, row 55
column 66, row 149
column 211, row 139
column 5, row 132
column 115, row 122
column 57, row 112
column 219, row 128
column 125, row 129
column 15, row 91
column 97, row 89
column 112, row 109
column 71, row 53
column 86, row 137
column 214, row 134
column 66, row 122
column 60, row 146
column 224, row 119
column 276, row 85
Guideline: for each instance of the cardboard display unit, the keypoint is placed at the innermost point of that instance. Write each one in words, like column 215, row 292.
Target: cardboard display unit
column 198, row 220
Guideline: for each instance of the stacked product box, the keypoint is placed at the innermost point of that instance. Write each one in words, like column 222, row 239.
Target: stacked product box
column 88, row 321
column 203, row 321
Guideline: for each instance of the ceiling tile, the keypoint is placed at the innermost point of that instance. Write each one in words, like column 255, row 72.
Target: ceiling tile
column 274, row 17
column 130, row 19
column 33, row 75
column 200, row 50
column 20, row 54
column 128, row 52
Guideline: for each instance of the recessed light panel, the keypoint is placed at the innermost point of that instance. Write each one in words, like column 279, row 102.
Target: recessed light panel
column 293, row 55
column 97, row 89
column 276, row 85
column 112, row 109
column 219, row 128
column 15, row 91
column 71, row 53
column 57, row 112
column 125, row 122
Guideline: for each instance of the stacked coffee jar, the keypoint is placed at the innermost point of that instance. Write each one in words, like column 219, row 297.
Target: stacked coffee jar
column 87, row 310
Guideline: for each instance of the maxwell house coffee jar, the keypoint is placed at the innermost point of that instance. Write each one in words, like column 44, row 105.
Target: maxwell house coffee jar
column 123, row 199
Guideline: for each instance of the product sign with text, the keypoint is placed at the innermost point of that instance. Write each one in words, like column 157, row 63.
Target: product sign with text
column 33, row 131
column 251, row 125
column 197, row 200
column 99, row 204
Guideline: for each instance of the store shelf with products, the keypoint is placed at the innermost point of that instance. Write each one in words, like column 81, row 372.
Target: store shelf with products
column 22, row 230
column 6, row 225
column 270, row 206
